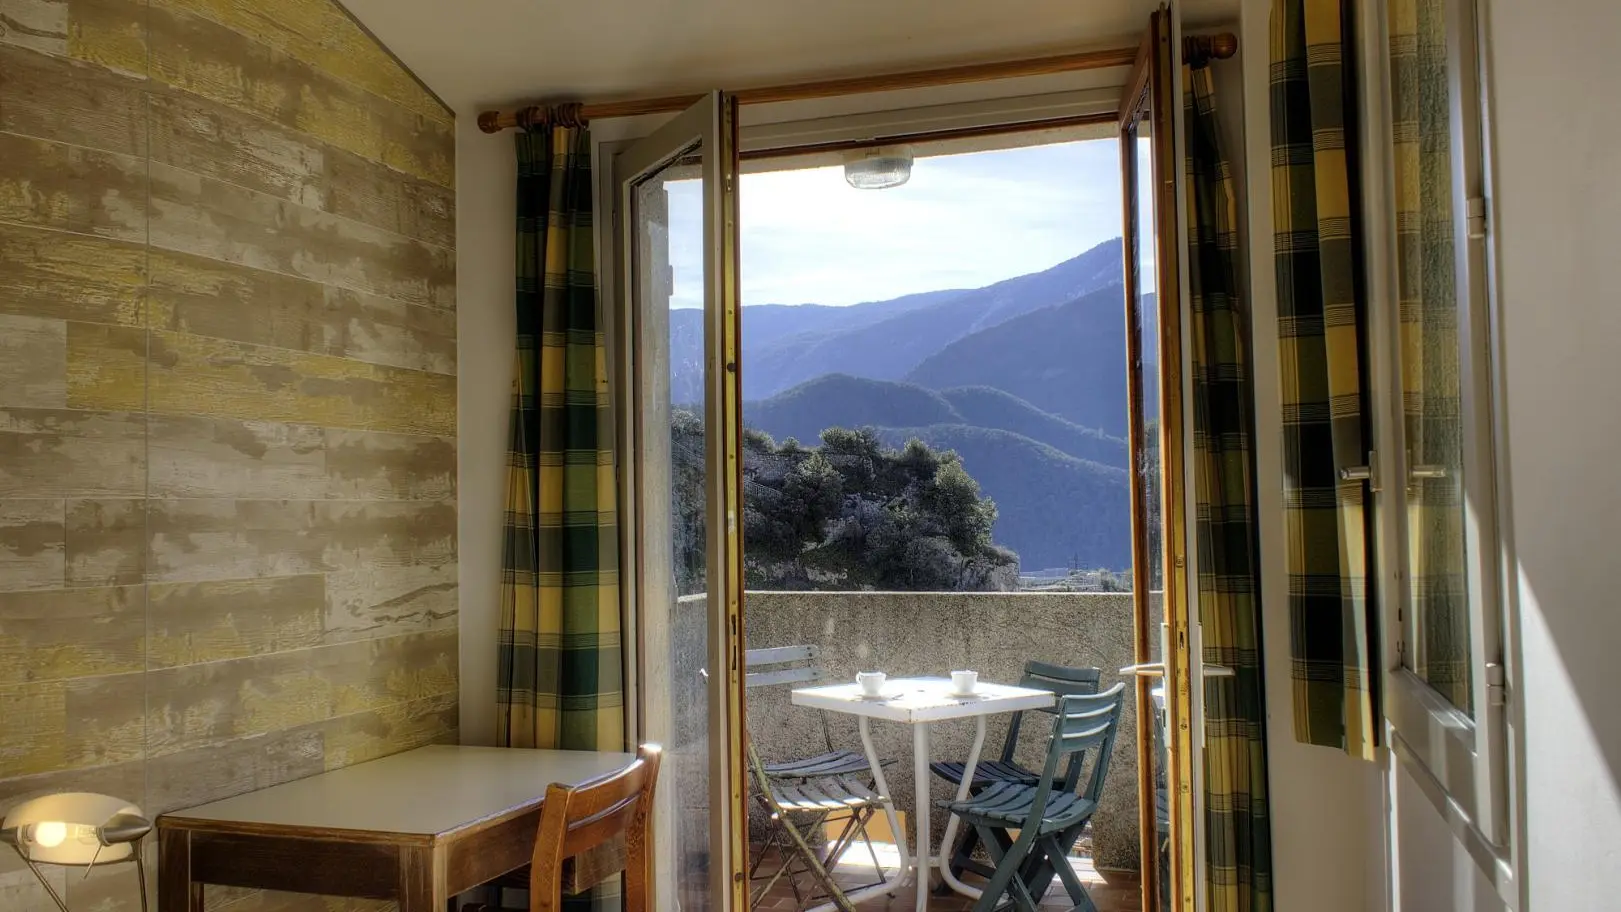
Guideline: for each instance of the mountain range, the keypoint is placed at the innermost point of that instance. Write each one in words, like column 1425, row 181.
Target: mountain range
column 1025, row 379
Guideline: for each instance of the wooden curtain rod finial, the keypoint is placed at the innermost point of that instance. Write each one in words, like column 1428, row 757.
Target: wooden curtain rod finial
column 1200, row 48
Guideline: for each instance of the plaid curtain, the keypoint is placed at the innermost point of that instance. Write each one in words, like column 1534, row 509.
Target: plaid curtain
column 561, row 661
column 1427, row 287
column 1239, row 847
column 1320, row 319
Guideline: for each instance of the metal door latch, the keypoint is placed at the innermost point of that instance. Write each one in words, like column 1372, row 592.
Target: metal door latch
column 1368, row 473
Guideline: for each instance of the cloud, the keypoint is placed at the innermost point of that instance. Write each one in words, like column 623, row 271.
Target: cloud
column 962, row 221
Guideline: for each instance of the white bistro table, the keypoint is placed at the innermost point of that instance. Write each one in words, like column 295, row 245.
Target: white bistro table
column 918, row 702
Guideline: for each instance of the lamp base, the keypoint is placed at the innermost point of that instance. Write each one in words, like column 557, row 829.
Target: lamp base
column 140, row 876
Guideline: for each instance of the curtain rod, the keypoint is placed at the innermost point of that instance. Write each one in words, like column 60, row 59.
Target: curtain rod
column 1195, row 47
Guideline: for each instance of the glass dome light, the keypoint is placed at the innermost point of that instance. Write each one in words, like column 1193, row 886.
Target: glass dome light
column 878, row 168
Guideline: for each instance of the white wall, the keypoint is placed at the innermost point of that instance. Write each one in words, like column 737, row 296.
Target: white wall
column 1327, row 844
column 486, row 330
column 1557, row 219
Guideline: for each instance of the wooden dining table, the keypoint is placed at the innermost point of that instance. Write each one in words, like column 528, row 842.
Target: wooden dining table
column 418, row 827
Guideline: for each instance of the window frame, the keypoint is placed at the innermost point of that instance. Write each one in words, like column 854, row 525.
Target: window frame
column 1462, row 760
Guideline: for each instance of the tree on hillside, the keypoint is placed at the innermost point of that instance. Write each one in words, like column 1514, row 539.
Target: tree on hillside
column 851, row 514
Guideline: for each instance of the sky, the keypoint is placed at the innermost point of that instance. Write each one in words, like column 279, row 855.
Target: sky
column 962, row 221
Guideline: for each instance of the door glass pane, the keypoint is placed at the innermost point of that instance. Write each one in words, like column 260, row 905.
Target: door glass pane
column 668, row 272
column 1146, row 465
column 1426, row 258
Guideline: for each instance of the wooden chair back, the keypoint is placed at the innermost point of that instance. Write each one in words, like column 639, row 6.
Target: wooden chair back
column 577, row 819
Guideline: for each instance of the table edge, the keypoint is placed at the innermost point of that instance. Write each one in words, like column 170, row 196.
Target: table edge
column 170, row 822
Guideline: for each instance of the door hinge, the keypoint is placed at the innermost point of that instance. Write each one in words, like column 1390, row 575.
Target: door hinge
column 1475, row 209
column 1496, row 684
column 1368, row 473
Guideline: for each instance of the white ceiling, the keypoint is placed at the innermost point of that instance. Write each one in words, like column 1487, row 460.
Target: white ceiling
column 487, row 52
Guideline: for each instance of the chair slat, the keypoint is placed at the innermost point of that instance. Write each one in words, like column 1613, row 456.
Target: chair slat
column 780, row 655
column 783, row 676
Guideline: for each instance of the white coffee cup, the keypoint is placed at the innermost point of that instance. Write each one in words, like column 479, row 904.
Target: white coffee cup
column 964, row 682
column 872, row 682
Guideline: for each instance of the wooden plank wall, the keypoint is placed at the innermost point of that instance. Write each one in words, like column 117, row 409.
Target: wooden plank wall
column 227, row 408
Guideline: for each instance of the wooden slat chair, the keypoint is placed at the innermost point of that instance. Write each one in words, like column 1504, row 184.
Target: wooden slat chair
column 1063, row 681
column 1049, row 817
column 575, row 820
column 816, row 787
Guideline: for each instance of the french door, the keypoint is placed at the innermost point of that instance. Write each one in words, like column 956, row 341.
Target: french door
column 675, row 214
column 1169, row 681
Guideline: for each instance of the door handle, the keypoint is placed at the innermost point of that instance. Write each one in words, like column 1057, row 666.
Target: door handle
column 1218, row 671
column 1145, row 670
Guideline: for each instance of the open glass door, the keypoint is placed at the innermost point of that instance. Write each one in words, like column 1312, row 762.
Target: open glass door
column 1161, row 556
column 683, row 483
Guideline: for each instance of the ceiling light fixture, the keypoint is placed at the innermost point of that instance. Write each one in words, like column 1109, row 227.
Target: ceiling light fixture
column 878, row 168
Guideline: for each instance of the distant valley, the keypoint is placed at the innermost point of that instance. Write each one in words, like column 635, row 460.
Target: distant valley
column 1025, row 379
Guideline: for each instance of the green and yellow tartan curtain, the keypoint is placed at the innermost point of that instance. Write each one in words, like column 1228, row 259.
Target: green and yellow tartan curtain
column 1431, row 398
column 1320, row 319
column 561, row 674
column 1239, row 844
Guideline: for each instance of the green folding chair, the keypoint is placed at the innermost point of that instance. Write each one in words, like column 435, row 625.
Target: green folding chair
column 1062, row 680
column 1049, row 815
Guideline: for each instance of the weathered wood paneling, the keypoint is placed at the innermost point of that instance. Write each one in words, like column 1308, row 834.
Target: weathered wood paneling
column 206, row 297
column 374, row 674
column 111, row 33
column 223, row 539
column 207, row 59
column 321, row 34
column 362, row 604
column 378, row 733
column 195, row 214
column 198, row 375
column 367, row 192
column 38, row 25
column 60, row 725
column 214, row 703
column 233, row 619
column 212, row 139
column 192, row 777
column 127, row 779
column 367, row 465
column 106, row 542
column 388, row 535
column 106, row 367
column 245, row 539
column 52, row 185
column 228, row 549
column 196, row 706
column 66, row 453
column 33, row 362
column 72, row 102
column 57, row 634
column 194, row 456
column 32, row 544
column 71, row 277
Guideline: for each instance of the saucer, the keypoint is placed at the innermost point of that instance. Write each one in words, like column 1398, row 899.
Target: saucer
column 961, row 695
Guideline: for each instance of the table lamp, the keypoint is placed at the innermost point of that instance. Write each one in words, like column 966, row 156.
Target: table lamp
column 78, row 829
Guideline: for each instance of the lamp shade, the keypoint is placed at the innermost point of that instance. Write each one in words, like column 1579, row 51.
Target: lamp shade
column 75, row 828
column 879, row 168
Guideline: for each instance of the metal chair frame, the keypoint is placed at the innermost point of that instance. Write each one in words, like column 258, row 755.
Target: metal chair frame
column 1048, row 815
column 1063, row 681
column 816, row 787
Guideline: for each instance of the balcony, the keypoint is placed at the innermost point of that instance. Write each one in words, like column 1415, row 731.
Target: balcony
column 912, row 633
